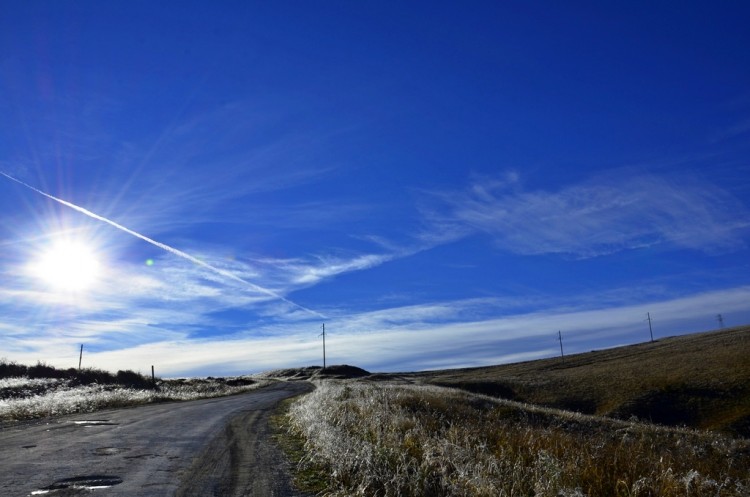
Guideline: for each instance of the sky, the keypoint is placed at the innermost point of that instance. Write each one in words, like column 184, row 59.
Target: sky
column 201, row 186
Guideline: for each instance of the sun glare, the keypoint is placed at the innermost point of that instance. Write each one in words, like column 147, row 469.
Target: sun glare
column 68, row 266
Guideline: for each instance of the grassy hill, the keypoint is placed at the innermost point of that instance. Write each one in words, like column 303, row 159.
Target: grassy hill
column 406, row 435
column 700, row 380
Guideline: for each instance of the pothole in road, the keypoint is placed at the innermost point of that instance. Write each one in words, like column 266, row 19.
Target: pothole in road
column 95, row 422
column 142, row 456
column 69, row 486
column 110, row 451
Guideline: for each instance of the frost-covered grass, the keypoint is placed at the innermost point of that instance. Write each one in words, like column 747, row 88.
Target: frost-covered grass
column 406, row 440
column 26, row 383
column 29, row 398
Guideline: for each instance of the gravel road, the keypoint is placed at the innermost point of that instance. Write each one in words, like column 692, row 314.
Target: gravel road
column 212, row 447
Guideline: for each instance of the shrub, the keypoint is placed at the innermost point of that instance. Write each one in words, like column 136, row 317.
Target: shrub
column 131, row 379
column 42, row 370
column 90, row 376
column 11, row 369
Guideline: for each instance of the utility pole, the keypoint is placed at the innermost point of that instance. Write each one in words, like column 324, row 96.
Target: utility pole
column 721, row 320
column 324, row 345
column 80, row 358
column 559, row 336
column 651, row 332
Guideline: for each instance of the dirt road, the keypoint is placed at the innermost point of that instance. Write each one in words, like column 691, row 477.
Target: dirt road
column 204, row 448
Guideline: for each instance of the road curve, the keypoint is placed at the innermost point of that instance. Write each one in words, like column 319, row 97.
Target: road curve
column 212, row 447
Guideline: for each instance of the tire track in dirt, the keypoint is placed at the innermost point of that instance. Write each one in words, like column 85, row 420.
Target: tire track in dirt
column 241, row 461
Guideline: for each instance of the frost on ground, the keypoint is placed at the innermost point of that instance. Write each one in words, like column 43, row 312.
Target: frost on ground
column 28, row 398
column 379, row 439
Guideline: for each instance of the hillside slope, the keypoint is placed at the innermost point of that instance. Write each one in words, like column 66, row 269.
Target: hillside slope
column 699, row 380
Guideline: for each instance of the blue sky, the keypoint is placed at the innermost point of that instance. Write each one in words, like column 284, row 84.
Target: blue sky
column 443, row 184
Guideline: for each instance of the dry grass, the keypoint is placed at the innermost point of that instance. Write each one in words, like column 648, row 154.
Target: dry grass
column 406, row 440
column 65, row 392
column 700, row 380
column 309, row 478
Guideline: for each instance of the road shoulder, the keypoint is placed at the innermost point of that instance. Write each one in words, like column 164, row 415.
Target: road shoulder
column 243, row 459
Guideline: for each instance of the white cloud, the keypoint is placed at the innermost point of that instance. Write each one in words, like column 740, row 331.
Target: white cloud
column 430, row 336
column 329, row 267
column 136, row 304
column 160, row 314
column 600, row 216
column 294, row 273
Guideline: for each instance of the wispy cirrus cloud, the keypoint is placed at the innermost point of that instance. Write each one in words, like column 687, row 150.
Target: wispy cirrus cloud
column 180, row 323
column 197, row 261
column 603, row 215
column 322, row 268
column 462, row 333
column 174, row 299
column 202, row 164
column 133, row 304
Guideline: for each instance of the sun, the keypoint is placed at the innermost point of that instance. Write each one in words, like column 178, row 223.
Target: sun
column 67, row 265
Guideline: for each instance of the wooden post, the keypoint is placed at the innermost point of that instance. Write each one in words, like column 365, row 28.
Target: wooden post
column 153, row 377
column 80, row 358
column 324, row 345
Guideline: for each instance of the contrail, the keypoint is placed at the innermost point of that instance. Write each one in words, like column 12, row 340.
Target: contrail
column 169, row 249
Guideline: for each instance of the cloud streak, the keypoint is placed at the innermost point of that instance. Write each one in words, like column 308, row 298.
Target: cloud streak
column 311, row 274
column 168, row 248
column 429, row 336
column 598, row 217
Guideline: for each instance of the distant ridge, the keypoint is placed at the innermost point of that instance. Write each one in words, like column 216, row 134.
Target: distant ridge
column 343, row 371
